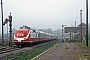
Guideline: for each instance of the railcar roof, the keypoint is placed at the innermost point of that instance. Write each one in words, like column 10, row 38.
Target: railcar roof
column 22, row 29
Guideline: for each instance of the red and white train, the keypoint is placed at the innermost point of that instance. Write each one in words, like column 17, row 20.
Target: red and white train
column 27, row 36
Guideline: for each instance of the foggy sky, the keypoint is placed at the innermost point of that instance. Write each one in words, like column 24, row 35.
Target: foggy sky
column 44, row 13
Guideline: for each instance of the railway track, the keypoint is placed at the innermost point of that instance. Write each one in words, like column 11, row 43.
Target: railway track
column 4, row 52
column 9, row 49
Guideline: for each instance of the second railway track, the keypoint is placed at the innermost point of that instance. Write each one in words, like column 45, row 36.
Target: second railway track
column 6, row 50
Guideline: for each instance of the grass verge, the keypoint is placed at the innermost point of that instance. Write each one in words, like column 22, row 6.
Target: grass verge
column 83, row 46
column 29, row 54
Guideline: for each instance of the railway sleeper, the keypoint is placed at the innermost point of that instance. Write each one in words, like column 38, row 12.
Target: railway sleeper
column 15, row 58
column 2, row 52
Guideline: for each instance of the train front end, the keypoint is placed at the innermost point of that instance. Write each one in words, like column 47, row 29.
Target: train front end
column 22, row 37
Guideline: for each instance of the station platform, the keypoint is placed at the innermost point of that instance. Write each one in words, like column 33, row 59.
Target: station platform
column 62, row 51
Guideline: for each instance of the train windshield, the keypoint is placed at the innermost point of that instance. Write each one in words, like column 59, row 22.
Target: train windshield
column 21, row 33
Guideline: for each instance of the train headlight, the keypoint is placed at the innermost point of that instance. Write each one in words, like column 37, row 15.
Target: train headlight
column 24, row 38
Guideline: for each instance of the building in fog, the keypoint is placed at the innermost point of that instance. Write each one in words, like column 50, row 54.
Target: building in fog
column 49, row 30
column 79, row 31
column 58, row 32
column 83, row 31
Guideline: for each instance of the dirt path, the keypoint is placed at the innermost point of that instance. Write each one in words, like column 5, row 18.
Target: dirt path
column 64, row 51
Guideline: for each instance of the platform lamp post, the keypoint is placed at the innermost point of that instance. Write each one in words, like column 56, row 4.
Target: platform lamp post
column 75, row 29
column 86, row 22
column 63, row 32
column 10, row 24
column 81, row 23
column 2, row 23
column 7, row 33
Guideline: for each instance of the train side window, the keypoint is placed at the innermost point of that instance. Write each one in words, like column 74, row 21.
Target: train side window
column 36, row 34
column 33, row 35
column 43, row 35
column 39, row 35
